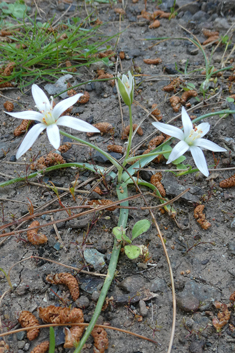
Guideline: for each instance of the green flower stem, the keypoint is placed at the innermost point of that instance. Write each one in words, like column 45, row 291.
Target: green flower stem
column 146, row 155
column 107, row 155
column 212, row 114
column 94, row 169
column 129, row 139
column 122, row 193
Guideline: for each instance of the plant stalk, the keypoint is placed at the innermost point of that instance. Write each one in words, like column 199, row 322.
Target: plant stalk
column 123, row 217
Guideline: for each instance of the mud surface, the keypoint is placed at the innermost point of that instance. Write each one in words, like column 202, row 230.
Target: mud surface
column 202, row 260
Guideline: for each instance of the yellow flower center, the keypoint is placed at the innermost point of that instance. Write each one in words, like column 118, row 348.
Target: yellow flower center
column 193, row 135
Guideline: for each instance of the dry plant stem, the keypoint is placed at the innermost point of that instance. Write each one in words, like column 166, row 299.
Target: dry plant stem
column 58, row 234
column 79, row 324
column 57, row 263
column 96, row 209
column 123, row 217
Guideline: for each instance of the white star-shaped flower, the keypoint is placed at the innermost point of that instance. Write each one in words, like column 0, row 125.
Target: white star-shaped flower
column 49, row 118
column 190, row 139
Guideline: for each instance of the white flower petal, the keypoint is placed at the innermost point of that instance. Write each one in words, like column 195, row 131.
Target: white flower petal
column 28, row 114
column 76, row 124
column 64, row 105
column 209, row 145
column 29, row 139
column 169, row 130
column 178, row 151
column 40, row 99
column 53, row 134
column 199, row 160
column 186, row 121
column 205, row 127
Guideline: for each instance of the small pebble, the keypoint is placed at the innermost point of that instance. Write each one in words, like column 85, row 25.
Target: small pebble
column 95, row 296
column 143, row 308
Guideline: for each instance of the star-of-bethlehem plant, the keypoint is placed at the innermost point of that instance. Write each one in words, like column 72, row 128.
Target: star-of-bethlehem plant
column 190, row 139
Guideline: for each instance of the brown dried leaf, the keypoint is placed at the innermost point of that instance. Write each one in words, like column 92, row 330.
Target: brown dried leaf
column 156, row 181
column 214, row 39
column 69, row 68
column 201, row 217
column 173, row 85
column 25, row 124
column 156, row 112
column 155, row 24
column 42, row 347
column 222, row 318
column 120, row 11
column 33, row 236
column 152, row 61
column 122, row 54
column 98, row 190
column 156, row 14
column 9, row 106
column 47, row 161
column 59, row 315
column 156, row 141
column 4, row 347
column 65, row 147
column 111, row 82
column 228, row 183
column 98, row 203
column 67, row 279
column 175, row 103
column 207, row 33
column 232, row 297
column 107, row 53
column 101, row 341
column 126, row 131
column 84, row 99
column 103, row 127
column 27, row 319
column 115, row 148
column 187, row 95
column 146, row 15
column 167, row 15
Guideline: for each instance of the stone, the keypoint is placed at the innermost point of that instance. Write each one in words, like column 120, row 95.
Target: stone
column 188, row 303
column 26, row 346
column 192, row 7
column 94, row 258
column 143, row 308
column 232, row 225
column 196, row 347
column 21, row 344
column 100, row 158
column 82, row 302
column 174, row 188
column 20, row 335
column 13, row 158
column 158, row 285
column 95, row 296
column 231, row 248
column 59, row 86
column 4, row 148
column 133, row 283
column 200, row 16
column 90, row 284
column 221, row 23
column 203, row 292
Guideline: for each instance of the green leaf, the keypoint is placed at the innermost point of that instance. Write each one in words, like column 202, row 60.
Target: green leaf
column 179, row 160
column 166, row 148
column 229, row 99
column 181, row 166
column 120, row 234
column 17, row 9
column 52, row 340
column 132, row 251
column 140, row 227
